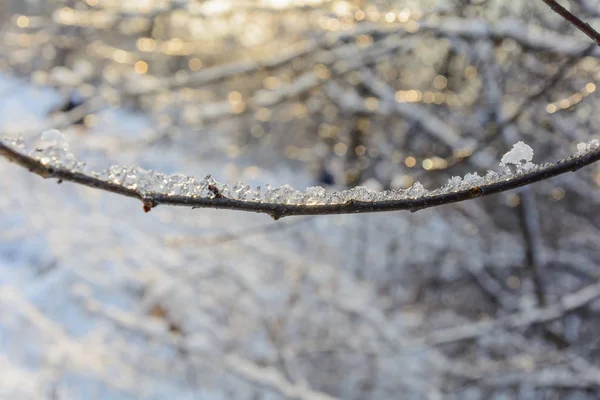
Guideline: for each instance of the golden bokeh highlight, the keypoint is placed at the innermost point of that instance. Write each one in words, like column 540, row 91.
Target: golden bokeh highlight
column 140, row 67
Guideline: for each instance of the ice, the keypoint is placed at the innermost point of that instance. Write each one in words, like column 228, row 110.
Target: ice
column 518, row 159
column 316, row 195
column 52, row 149
column 283, row 195
column 17, row 144
column 455, row 181
column 473, row 179
column 520, row 153
column 585, row 147
column 242, row 191
column 416, row 190
column 52, row 138
column 469, row 181
column 182, row 185
column 361, row 193
column 151, row 182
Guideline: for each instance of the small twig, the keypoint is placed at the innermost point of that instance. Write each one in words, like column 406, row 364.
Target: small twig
column 550, row 83
column 262, row 376
column 530, row 226
column 492, row 289
column 220, row 73
column 203, row 241
column 215, row 190
column 587, row 8
column 526, row 104
column 567, row 304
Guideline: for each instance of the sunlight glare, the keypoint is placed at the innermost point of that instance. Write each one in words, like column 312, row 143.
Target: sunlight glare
column 215, row 7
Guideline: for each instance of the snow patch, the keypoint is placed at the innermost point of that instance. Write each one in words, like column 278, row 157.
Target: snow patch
column 585, row 147
column 521, row 153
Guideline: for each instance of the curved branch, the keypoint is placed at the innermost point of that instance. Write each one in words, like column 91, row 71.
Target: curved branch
column 215, row 197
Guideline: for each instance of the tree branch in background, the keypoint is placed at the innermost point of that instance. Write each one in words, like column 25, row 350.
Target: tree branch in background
column 530, row 225
column 217, row 239
column 567, row 304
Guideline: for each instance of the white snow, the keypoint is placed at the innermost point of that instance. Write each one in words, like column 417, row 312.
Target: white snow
column 520, row 154
column 53, row 137
column 585, row 147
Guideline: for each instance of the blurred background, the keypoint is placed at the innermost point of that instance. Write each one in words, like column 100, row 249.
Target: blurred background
column 101, row 301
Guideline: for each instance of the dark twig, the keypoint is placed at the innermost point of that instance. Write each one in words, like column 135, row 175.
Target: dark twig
column 567, row 304
column 530, row 225
column 492, row 289
column 574, row 20
column 550, row 83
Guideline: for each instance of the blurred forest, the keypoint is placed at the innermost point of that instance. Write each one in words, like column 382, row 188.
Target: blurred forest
column 496, row 298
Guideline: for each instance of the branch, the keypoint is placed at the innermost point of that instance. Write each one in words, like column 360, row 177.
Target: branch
column 213, row 240
column 267, row 377
column 555, row 378
column 529, row 36
column 567, row 304
column 271, row 378
column 574, row 20
column 153, row 188
column 345, row 60
column 587, row 8
column 222, row 72
column 530, row 226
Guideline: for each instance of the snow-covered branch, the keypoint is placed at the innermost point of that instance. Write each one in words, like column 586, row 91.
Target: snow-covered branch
column 527, row 35
column 52, row 159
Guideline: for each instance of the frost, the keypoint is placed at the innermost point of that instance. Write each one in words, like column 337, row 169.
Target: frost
column 473, row 179
column 17, row 144
column 53, row 138
column 284, row 195
column 316, row 195
column 520, row 153
column 242, row 191
column 52, row 149
column 518, row 159
column 492, row 176
column 416, row 190
column 470, row 180
column 361, row 193
column 584, row 147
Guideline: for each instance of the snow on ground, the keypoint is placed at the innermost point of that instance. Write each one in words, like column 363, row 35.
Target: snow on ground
column 86, row 276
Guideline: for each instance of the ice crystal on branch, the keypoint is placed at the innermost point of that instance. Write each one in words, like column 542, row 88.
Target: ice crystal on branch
column 585, row 147
column 52, row 149
column 518, row 159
